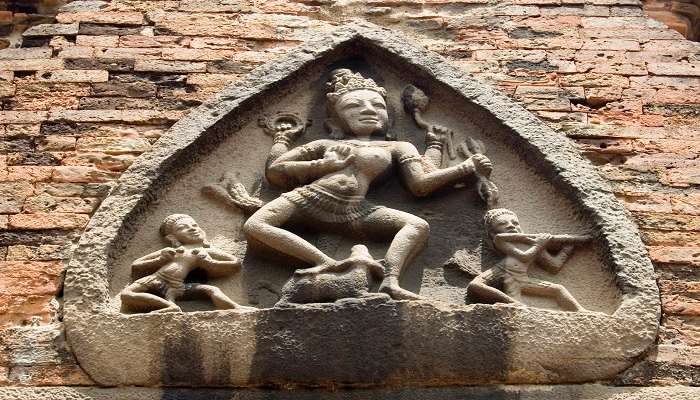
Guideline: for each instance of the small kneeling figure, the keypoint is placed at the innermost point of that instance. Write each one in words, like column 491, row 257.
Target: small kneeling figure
column 521, row 251
column 190, row 250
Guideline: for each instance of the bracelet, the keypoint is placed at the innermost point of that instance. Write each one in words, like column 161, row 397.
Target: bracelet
column 281, row 139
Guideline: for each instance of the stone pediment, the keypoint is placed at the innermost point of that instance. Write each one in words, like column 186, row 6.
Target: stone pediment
column 363, row 339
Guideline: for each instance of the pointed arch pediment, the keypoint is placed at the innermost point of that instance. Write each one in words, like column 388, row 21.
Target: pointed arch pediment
column 383, row 342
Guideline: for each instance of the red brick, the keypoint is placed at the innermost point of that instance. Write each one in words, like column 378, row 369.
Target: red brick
column 29, row 173
column 40, row 221
column 82, row 174
column 675, row 255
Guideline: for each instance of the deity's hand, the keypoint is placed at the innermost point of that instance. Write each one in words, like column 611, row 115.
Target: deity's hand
column 288, row 132
column 338, row 156
column 543, row 238
column 438, row 134
column 482, row 164
column 200, row 253
column 168, row 253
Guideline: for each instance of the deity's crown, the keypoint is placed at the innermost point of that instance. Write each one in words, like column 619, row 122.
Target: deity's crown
column 495, row 213
column 168, row 225
column 344, row 80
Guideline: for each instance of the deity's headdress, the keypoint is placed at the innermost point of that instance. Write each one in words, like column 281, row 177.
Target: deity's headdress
column 344, row 80
column 495, row 213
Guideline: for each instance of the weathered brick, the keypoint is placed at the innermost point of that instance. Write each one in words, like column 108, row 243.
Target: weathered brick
column 548, row 97
column 44, row 252
column 77, row 52
column 99, row 29
column 31, row 65
column 22, row 278
column 104, row 161
column 97, row 41
column 134, row 116
column 125, row 89
column 108, row 64
column 56, row 143
column 113, row 145
column 169, row 66
column 48, row 203
column 23, row 54
column 40, row 221
column 29, row 173
column 101, row 17
column 73, row 189
column 7, row 89
column 10, row 204
column 149, row 41
column 52, row 30
column 196, row 54
column 675, row 69
column 211, row 79
column 82, row 174
column 611, row 44
column 74, row 76
column 135, row 53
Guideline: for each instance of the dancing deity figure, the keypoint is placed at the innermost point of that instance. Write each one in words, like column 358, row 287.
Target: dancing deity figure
column 521, row 251
column 331, row 178
column 158, row 291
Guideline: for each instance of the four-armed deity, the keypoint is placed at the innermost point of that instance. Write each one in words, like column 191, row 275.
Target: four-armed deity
column 325, row 184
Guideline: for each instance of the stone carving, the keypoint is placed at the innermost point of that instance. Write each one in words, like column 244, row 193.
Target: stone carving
column 346, row 279
column 158, row 291
column 332, row 176
column 383, row 343
column 439, row 138
column 521, row 251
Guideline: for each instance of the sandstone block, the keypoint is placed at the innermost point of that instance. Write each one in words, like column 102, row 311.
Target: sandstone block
column 133, row 116
column 218, row 80
column 149, row 41
column 7, row 89
column 77, row 52
column 196, row 54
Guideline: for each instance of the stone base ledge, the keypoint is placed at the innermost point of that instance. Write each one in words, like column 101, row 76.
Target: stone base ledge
column 500, row 392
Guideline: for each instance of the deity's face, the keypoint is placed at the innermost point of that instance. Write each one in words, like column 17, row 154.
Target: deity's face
column 505, row 223
column 187, row 231
column 362, row 112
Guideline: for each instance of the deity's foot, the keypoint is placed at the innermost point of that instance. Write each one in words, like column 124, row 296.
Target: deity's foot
column 172, row 308
column 313, row 270
column 392, row 288
column 244, row 309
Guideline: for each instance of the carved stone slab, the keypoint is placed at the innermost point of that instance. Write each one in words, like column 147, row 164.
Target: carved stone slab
column 368, row 341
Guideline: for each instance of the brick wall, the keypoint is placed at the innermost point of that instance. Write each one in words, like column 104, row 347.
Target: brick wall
column 90, row 91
